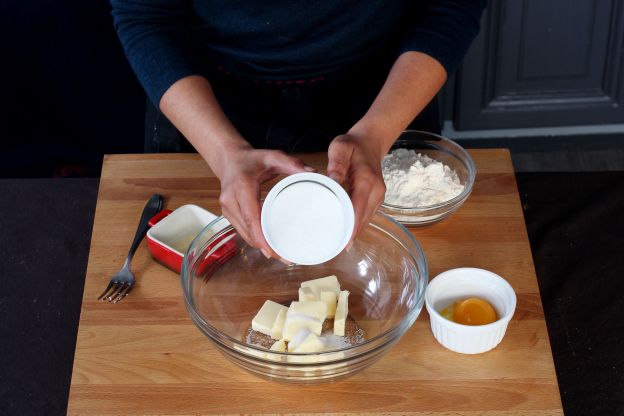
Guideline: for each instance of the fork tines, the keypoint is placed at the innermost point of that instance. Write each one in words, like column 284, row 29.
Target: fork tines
column 115, row 291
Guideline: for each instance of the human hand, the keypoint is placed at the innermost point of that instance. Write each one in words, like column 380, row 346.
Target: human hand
column 240, row 180
column 356, row 162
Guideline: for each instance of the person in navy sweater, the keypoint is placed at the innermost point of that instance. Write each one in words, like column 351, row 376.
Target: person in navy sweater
column 246, row 81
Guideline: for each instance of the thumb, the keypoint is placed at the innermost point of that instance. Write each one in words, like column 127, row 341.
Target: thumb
column 339, row 155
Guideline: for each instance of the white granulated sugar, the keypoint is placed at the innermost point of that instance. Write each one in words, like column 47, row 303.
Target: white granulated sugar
column 416, row 180
column 335, row 342
column 306, row 223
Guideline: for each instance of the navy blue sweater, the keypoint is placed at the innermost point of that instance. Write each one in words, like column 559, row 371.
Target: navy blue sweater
column 166, row 40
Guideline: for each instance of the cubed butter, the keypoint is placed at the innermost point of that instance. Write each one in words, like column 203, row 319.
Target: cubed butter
column 331, row 300
column 298, row 321
column 265, row 318
column 315, row 308
column 342, row 310
column 306, row 294
column 305, row 341
column 328, row 283
column 279, row 346
column 278, row 325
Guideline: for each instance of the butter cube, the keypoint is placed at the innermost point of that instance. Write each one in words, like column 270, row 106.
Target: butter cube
column 342, row 310
column 331, row 300
column 328, row 283
column 278, row 325
column 265, row 318
column 305, row 341
column 315, row 308
column 279, row 346
column 306, row 294
column 298, row 321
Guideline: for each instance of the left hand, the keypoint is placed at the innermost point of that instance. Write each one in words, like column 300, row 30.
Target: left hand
column 355, row 161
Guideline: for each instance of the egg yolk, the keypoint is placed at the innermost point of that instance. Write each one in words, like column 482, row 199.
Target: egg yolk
column 472, row 311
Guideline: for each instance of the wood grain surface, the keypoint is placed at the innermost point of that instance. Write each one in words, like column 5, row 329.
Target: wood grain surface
column 145, row 356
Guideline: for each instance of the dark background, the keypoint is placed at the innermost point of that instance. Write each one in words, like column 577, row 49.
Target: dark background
column 547, row 70
column 69, row 94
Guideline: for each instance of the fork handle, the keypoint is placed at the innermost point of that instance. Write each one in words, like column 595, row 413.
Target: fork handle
column 153, row 207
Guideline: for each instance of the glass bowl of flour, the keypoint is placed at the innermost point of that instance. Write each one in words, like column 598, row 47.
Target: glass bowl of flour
column 428, row 177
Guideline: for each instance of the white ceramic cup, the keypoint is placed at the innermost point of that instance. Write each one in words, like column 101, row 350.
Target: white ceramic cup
column 458, row 284
column 307, row 218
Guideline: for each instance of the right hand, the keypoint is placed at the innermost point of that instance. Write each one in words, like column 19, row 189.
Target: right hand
column 355, row 160
column 240, row 178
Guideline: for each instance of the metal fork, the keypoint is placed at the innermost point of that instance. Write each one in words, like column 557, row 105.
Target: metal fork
column 121, row 284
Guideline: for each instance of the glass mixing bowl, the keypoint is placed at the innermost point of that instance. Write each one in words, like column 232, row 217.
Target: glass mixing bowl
column 443, row 150
column 225, row 282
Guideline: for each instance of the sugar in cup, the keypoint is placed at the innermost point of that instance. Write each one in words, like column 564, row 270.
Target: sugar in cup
column 307, row 218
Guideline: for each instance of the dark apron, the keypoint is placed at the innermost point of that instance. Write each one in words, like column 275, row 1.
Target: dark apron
column 294, row 116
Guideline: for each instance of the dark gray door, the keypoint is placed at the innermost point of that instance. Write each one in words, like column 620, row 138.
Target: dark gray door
column 544, row 63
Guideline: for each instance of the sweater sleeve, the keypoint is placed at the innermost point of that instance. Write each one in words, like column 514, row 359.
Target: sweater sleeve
column 444, row 30
column 157, row 42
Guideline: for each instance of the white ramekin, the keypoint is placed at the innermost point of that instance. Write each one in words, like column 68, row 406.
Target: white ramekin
column 458, row 284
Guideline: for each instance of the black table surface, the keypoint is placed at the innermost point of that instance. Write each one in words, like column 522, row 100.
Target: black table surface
column 576, row 228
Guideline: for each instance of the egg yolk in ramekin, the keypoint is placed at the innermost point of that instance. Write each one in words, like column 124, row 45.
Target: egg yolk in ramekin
column 471, row 311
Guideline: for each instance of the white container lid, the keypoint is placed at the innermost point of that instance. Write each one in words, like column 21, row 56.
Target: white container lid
column 307, row 218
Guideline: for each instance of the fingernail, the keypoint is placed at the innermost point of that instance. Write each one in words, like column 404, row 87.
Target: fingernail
column 266, row 253
column 349, row 247
column 309, row 168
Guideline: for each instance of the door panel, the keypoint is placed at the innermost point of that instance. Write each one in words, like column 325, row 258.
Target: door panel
column 544, row 63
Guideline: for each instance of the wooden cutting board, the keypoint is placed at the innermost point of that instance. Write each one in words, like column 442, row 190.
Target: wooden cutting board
column 145, row 356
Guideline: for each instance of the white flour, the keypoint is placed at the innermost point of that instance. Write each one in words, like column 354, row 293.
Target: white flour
column 415, row 180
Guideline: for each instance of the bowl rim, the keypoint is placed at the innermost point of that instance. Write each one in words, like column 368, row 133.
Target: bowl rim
column 468, row 163
column 473, row 329
column 402, row 326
